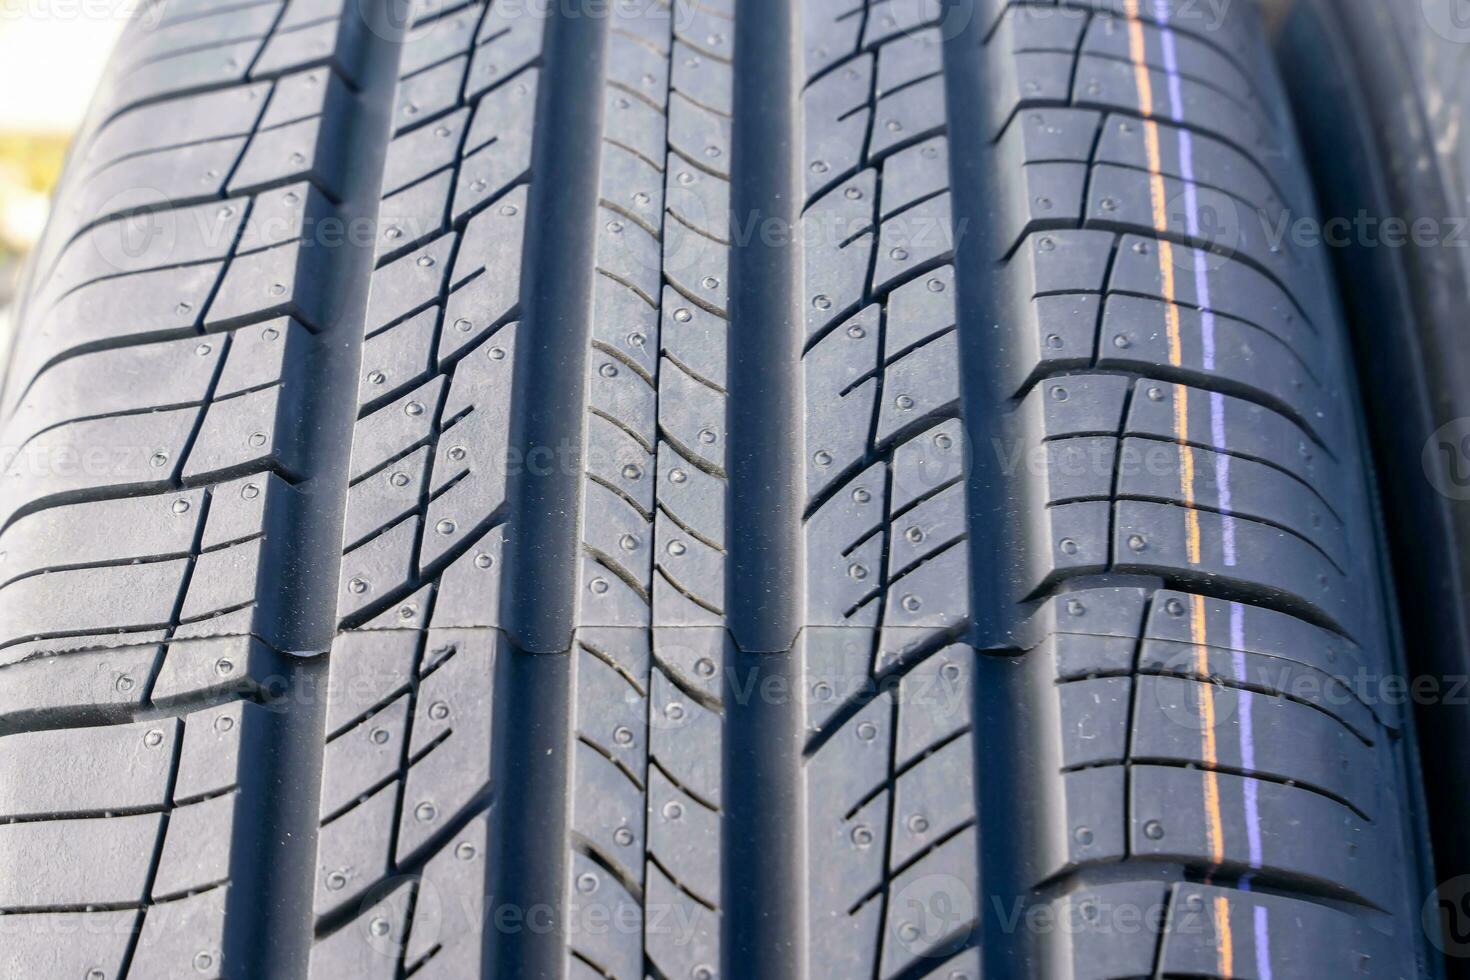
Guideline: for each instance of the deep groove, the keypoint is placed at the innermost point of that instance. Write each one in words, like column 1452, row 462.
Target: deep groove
column 527, row 871
column 763, row 846
column 1001, row 695
column 281, row 862
column 548, row 413
column 763, row 578
column 763, row 850
column 533, row 736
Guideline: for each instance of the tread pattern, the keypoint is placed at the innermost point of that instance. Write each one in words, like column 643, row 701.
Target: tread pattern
column 645, row 810
column 151, row 459
column 1089, row 603
column 1160, row 749
column 406, row 774
column 882, row 362
column 428, row 519
column 692, row 477
column 888, row 827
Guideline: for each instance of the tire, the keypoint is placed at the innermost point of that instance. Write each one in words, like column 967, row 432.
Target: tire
column 1378, row 102
column 751, row 489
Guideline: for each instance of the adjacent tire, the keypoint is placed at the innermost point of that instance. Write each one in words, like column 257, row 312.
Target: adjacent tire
column 1380, row 98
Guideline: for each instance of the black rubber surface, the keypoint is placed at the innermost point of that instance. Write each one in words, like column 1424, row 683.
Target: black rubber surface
column 737, row 488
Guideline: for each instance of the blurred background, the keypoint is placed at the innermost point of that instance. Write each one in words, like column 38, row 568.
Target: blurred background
column 51, row 54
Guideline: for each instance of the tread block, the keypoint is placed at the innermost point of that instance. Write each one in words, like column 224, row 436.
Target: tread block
column 108, row 768
column 451, row 736
column 364, row 756
column 296, row 212
column 1151, row 470
column 423, row 151
column 117, row 597
column 218, row 748
column 102, row 532
column 298, row 151
column 67, row 944
column 89, row 861
column 356, row 949
column 196, row 847
column 248, row 432
column 159, row 303
column 142, row 243
column 1303, row 836
column 412, row 215
column 1286, row 739
column 1255, row 432
column 264, row 284
column 353, row 850
column 395, row 429
column 184, row 935
column 1266, row 558
column 445, row 936
column 92, row 685
column 1265, row 925
column 198, row 118
column 164, row 375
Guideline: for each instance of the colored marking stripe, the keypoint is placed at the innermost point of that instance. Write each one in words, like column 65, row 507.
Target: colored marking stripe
column 1247, row 737
column 1222, row 923
column 1199, row 264
column 1198, row 625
